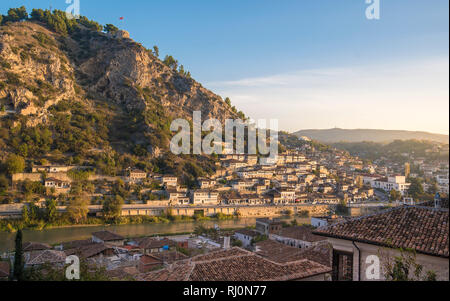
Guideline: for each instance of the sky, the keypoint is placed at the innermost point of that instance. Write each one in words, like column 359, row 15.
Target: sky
column 308, row 63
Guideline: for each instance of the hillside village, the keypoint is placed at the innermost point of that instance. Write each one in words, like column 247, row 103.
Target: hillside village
column 102, row 138
column 308, row 180
column 94, row 151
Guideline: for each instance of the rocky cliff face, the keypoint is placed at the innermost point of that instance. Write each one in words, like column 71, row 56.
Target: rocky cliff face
column 50, row 67
column 122, row 70
column 35, row 74
column 71, row 94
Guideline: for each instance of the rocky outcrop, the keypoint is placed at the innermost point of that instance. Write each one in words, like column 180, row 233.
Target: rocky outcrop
column 36, row 74
column 122, row 70
column 40, row 68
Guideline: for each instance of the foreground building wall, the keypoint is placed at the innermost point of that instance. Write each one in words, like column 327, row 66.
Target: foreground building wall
column 361, row 269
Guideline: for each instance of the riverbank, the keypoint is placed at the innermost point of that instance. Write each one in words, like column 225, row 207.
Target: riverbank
column 11, row 226
column 64, row 234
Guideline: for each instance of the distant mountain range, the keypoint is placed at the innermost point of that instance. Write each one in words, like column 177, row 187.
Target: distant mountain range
column 359, row 135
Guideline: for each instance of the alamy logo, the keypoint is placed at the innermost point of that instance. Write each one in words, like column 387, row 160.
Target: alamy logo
column 73, row 270
column 373, row 268
column 73, row 10
column 213, row 143
column 373, row 10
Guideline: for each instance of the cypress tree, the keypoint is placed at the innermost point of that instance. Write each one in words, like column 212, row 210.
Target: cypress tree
column 18, row 257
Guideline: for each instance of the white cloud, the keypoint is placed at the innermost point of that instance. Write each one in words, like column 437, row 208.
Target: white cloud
column 405, row 95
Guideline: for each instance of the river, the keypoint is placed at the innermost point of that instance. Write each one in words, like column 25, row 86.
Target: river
column 57, row 235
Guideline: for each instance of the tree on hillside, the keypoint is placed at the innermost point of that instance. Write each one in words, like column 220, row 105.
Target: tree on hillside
column 171, row 62
column 15, row 164
column 76, row 188
column 433, row 188
column 4, row 183
column 16, row 14
column 112, row 207
column 156, row 51
column 25, row 215
column 181, row 70
column 18, row 257
column 109, row 28
column 416, row 188
column 77, row 209
column 395, row 195
column 50, row 210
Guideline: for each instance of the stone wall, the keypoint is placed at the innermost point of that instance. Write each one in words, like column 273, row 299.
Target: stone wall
column 62, row 176
column 253, row 211
column 37, row 177
column 157, row 208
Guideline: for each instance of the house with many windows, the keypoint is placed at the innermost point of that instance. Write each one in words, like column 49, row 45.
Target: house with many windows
column 393, row 182
column 204, row 197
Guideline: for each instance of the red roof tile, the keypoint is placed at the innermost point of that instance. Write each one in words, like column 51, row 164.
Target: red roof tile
column 423, row 229
column 299, row 233
column 45, row 256
column 107, row 235
column 236, row 264
column 35, row 246
column 282, row 253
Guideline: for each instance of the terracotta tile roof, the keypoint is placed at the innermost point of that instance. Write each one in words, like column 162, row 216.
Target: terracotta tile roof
column 45, row 256
column 107, row 235
column 247, row 232
column 4, row 269
column 123, row 273
column 131, row 248
column 444, row 203
column 149, row 259
column 423, row 229
column 87, row 250
column 170, row 257
column 154, row 243
column 220, row 254
column 76, row 244
column 69, row 252
column 177, row 272
column 92, row 250
column 35, row 246
column 254, row 268
column 299, row 233
column 236, row 264
column 53, row 180
column 282, row 253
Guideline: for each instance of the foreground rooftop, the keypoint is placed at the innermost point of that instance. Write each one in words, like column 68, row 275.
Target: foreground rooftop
column 423, row 229
column 236, row 264
column 281, row 253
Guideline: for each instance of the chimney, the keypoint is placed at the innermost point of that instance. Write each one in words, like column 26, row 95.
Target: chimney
column 226, row 242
